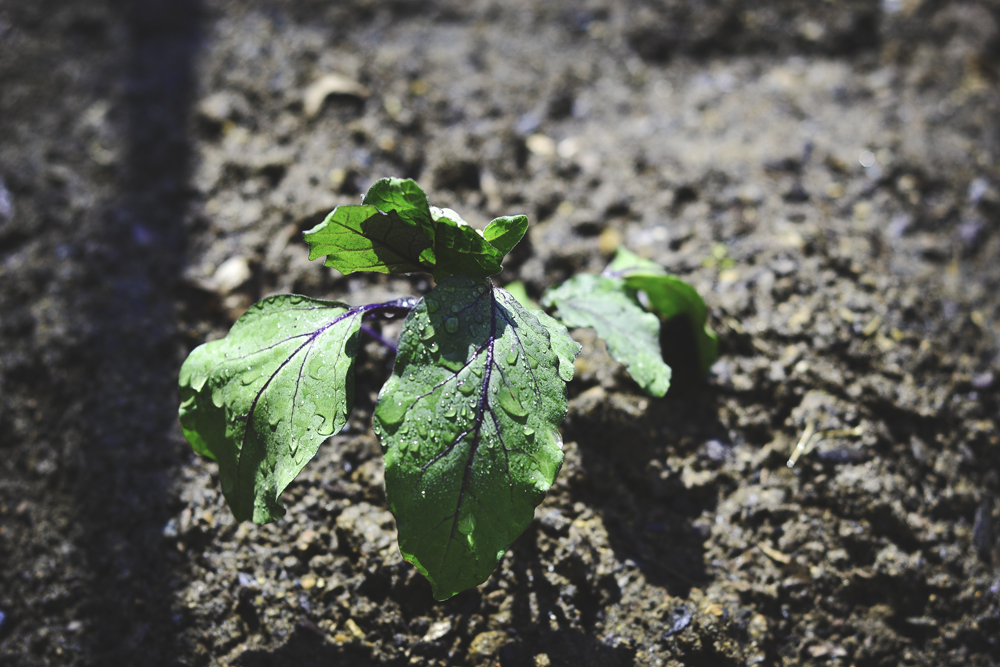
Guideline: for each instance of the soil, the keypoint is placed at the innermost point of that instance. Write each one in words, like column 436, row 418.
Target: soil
column 826, row 174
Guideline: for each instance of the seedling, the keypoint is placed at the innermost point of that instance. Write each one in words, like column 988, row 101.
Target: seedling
column 469, row 419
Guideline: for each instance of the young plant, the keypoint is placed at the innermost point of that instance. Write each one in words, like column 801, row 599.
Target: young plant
column 469, row 419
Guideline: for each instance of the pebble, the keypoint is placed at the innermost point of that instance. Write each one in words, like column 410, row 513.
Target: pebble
column 353, row 628
column 539, row 144
column 487, row 643
column 437, row 630
column 231, row 274
column 330, row 84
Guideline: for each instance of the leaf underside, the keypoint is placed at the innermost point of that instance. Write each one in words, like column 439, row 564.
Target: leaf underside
column 261, row 400
column 469, row 420
column 631, row 334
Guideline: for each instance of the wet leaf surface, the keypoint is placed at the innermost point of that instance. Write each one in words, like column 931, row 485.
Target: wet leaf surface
column 470, row 421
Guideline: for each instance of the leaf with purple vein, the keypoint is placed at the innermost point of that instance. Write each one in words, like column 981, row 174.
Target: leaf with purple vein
column 261, row 400
column 462, row 497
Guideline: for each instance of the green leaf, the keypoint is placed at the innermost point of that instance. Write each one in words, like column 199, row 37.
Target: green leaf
column 404, row 197
column 505, row 232
column 469, row 420
column 362, row 238
column 566, row 348
column 261, row 400
column 461, row 249
column 669, row 296
column 396, row 231
column 631, row 334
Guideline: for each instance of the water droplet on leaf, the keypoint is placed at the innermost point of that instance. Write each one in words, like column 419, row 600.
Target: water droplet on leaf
column 391, row 412
column 511, row 403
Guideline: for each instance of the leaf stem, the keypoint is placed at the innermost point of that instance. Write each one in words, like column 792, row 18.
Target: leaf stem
column 395, row 308
column 388, row 344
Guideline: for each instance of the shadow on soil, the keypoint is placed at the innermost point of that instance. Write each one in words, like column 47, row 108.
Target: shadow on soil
column 122, row 491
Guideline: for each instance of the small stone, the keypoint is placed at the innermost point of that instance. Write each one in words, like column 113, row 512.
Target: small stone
column 222, row 106
column 353, row 628
column 608, row 241
column 231, row 274
column 539, row 144
column 330, row 84
column 487, row 643
column 306, row 540
column 308, row 582
column 437, row 630
column 542, row 660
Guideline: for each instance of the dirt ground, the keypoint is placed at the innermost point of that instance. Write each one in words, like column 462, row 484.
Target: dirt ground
column 827, row 174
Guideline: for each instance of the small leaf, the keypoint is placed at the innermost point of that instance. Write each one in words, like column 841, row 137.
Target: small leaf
column 261, row 400
column 404, row 197
column 469, row 421
column 460, row 249
column 631, row 334
column 504, row 233
column 362, row 238
column 669, row 296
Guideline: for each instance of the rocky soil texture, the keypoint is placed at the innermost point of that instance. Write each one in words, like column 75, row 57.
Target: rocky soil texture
column 826, row 174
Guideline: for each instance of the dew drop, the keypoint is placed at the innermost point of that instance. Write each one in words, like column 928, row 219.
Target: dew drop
column 323, row 426
column 511, row 403
column 512, row 356
column 432, row 305
column 391, row 412
column 467, row 524
column 433, row 347
column 451, row 324
column 466, row 387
